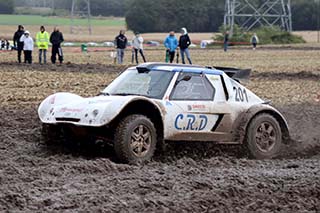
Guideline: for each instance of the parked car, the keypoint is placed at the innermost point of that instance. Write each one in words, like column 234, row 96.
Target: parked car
column 152, row 43
column 92, row 44
column 156, row 102
column 108, row 44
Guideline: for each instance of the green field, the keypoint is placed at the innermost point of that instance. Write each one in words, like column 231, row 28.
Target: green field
column 47, row 20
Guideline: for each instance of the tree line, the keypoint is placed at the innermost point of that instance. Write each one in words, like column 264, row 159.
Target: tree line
column 205, row 15
column 165, row 15
column 115, row 8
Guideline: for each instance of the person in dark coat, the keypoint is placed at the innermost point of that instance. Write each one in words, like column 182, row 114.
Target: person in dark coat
column 18, row 45
column 7, row 45
column 3, row 44
column 226, row 41
column 121, row 42
column 56, row 38
column 184, row 43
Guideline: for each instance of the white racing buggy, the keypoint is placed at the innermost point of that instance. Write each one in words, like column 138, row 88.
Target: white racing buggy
column 155, row 102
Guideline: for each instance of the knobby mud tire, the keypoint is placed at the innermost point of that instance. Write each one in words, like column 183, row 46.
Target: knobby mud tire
column 124, row 139
column 263, row 131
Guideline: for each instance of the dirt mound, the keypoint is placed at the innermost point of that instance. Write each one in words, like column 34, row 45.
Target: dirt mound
column 67, row 67
column 305, row 75
column 304, row 128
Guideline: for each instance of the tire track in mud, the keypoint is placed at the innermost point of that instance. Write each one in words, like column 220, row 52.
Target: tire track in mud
column 187, row 177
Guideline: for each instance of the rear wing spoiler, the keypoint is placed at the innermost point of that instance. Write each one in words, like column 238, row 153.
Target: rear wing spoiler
column 240, row 75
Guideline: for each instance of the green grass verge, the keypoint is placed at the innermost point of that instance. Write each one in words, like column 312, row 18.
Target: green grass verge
column 43, row 20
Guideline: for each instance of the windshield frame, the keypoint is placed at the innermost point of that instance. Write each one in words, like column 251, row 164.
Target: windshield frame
column 122, row 76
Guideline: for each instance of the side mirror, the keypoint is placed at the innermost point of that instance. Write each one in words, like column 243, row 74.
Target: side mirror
column 185, row 78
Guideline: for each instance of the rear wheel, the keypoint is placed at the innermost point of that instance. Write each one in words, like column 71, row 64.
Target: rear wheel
column 135, row 139
column 264, row 137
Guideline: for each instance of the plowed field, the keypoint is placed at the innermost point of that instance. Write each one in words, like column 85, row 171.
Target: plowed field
column 36, row 177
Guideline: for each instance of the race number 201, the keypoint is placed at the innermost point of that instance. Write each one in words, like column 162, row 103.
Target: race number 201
column 241, row 94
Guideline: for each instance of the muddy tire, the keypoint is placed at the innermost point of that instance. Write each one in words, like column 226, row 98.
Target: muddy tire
column 264, row 137
column 135, row 139
column 50, row 133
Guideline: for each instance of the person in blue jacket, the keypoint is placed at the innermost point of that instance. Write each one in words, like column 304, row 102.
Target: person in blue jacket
column 171, row 44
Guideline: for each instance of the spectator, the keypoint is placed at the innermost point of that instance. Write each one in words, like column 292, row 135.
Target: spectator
column 27, row 46
column 184, row 43
column 171, row 44
column 2, row 44
column 7, row 44
column 254, row 41
column 42, row 40
column 17, row 44
column 56, row 38
column 121, row 42
column 226, row 41
column 137, row 45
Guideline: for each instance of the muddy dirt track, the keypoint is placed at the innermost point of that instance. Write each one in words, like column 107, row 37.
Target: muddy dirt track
column 35, row 177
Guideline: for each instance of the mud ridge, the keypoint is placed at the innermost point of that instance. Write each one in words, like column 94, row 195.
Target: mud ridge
column 305, row 75
column 66, row 67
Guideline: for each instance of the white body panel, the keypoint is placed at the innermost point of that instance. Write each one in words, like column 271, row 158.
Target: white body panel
column 70, row 108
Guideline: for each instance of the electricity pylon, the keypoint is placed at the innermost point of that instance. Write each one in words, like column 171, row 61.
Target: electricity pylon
column 80, row 9
column 249, row 14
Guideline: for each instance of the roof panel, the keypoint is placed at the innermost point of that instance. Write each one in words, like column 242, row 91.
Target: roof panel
column 179, row 68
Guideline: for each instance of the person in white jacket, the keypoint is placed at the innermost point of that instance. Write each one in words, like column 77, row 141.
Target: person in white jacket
column 137, row 46
column 254, row 41
column 27, row 46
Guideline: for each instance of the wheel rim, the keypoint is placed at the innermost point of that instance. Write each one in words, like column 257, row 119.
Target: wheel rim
column 265, row 137
column 140, row 141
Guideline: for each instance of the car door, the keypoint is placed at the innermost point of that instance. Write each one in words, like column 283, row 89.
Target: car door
column 191, row 113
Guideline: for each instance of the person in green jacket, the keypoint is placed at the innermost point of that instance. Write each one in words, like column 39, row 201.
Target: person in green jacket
column 42, row 40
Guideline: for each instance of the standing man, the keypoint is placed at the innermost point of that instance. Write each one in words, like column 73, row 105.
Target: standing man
column 171, row 44
column 184, row 43
column 7, row 44
column 121, row 42
column 56, row 38
column 18, row 45
column 226, row 41
column 42, row 39
column 254, row 41
column 137, row 45
column 3, row 44
column 27, row 46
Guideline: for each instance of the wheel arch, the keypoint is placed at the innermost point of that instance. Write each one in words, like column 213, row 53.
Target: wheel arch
column 146, row 108
column 246, row 117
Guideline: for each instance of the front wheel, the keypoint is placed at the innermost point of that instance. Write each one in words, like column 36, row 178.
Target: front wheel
column 50, row 134
column 264, row 137
column 135, row 139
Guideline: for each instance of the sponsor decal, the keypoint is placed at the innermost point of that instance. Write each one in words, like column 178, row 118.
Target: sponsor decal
column 196, row 107
column 214, row 78
column 191, row 122
column 65, row 109
column 98, row 101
